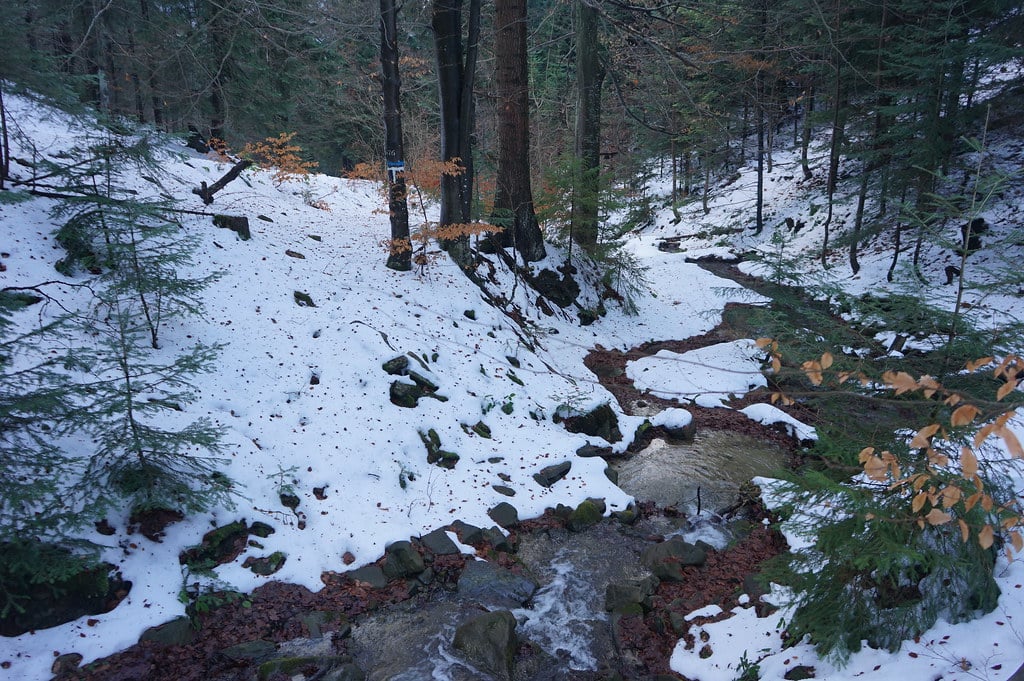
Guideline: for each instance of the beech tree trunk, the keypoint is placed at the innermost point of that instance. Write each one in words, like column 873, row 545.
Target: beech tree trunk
column 513, row 201
column 400, row 253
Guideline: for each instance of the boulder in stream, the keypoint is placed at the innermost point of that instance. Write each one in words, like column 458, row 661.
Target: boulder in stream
column 489, row 642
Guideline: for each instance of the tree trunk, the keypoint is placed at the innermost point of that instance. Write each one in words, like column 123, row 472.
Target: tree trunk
column 806, row 141
column 400, row 252
column 513, row 201
column 5, row 143
column 455, row 87
column 759, row 115
column 589, row 77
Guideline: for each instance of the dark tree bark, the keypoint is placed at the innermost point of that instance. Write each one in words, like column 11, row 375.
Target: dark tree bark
column 805, row 141
column 513, row 200
column 456, row 74
column 206, row 192
column 589, row 77
column 400, row 253
column 5, row 145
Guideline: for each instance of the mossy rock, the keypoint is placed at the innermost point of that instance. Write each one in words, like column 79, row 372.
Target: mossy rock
column 218, row 547
column 587, row 514
column 599, row 422
column 267, row 565
column 91, row 590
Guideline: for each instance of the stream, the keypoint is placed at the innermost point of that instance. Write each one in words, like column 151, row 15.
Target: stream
column 564, row 627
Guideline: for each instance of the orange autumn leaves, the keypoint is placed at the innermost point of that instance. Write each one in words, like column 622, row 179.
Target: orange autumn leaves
column 942, row 479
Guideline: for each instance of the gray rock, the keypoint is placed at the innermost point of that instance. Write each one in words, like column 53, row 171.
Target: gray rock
column 666, row 560
column 589, row 450
column 635, row 591
column 505, row 514
column 396, row 366
column 439, row 543
column 491, row 584
column 250, row 651
column 402, row 560
column 66, row 664
column 489, row 642
column 467, row 534
column 549, row 475
column 346, row 672
column 497, row 539
column 502, row 489
column 369, row 574
column 177, row 632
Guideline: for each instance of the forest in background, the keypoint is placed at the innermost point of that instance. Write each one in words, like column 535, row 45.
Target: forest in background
column 891, row 84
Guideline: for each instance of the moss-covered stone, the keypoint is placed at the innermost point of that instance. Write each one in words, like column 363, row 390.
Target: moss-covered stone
column 267, row 565
column 219, row 546
column 587, row 514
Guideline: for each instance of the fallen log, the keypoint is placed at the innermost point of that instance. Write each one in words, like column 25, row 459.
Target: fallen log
column 206, row 192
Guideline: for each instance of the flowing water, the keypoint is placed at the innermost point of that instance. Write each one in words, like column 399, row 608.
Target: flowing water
column 566, row 617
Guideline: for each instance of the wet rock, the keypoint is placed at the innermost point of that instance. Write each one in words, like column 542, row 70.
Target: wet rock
column 493, row 585
column 489, row 642
column 177, row 632
column 505, row 514
column 666, row 560
column 601, row 422
column 549, row 475
column 439, row 543
column 402, row 560
column 618, row 595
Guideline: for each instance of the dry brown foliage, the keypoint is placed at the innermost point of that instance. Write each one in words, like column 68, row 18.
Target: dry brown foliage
column 946, row 480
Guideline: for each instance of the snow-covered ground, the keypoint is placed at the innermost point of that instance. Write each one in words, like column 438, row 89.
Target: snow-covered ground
column 342, row 432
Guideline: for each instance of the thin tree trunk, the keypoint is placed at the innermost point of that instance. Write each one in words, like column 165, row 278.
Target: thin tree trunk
column 400, row 252
column 806, row 141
